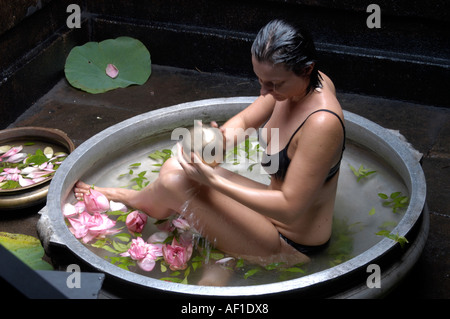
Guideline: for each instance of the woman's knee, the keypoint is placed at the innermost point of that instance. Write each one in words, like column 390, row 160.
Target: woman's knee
column 173, row 181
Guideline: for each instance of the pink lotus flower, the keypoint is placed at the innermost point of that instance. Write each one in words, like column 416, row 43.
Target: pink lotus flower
column 138, row 249
column 144, row 253
column 89, row 227
column 112, row 71
column 96, row 202
column 177, row 255
column 136, row 221
column 181, row 224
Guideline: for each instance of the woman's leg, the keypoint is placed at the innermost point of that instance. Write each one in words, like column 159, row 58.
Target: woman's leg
column 229, row 225
column 153, row 200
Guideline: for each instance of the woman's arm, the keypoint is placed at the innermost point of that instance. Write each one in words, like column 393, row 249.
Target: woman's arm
column 252, row 116
column 316, row 150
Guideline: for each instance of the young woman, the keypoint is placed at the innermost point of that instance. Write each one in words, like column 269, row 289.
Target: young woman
column 292, row 217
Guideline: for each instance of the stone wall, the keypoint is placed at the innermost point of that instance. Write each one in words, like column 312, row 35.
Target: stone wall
column 407, row 58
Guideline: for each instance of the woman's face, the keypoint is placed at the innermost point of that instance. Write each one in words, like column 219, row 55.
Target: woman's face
column 276, row 80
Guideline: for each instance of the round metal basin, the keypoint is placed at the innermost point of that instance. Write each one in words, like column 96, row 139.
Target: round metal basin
column 346, row 280
column 40, row 137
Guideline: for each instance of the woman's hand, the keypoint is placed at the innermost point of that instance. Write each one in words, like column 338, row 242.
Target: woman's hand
column 196, row 169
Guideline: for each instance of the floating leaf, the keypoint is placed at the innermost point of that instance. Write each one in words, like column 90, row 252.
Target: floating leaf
column 251, row 272
column 395, row 237
column 86, row 65
column 383, row 196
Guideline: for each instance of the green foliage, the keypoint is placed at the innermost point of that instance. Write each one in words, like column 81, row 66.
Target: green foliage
column 37, row 159
column 9, row 185
column 395, row 237
column 284, row 273
column 361, row 172
column 161, row 156
column 26, row 248
column 395, row 201
column 121, row 262
column 85, row 66
column 140, row 181
column 249, row 150
column 341, row 243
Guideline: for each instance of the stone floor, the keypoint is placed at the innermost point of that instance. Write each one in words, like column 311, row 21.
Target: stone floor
column 427, row 128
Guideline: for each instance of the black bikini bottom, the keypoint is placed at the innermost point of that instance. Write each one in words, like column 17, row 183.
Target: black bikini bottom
column 304, row 249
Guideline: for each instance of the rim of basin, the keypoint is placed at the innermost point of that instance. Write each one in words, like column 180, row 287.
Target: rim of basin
column 360, row 130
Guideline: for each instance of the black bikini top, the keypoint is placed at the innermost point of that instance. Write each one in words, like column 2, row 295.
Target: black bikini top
column 284, row 160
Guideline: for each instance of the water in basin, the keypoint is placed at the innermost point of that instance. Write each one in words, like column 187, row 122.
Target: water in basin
column 359, row 211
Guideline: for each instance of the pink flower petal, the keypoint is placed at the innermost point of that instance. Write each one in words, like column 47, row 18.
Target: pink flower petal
column 69, row 210
column 25, row 181
column 78, row 228
column 38, row 174
column 224, row 260
column 116, row 206
column 80, row 206
column 146, row 264
column 17, row 158
column 158, row 237
column 155, row 250
column 29, row 169
column 11, row 152
column 181, row 223
column 112, row 71
column 38, row 179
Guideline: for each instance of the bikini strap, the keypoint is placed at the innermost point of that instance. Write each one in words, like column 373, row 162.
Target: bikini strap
column 320, row 110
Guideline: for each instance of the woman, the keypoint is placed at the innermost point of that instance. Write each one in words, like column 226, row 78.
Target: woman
column 292, row 217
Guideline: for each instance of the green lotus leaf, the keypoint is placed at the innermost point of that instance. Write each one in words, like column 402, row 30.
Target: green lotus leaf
column 26, row 248
column 86, row 65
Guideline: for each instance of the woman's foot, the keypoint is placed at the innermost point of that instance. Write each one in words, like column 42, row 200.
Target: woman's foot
column 81, row 189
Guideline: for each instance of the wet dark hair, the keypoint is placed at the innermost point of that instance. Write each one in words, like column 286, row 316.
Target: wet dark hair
column 282, row 42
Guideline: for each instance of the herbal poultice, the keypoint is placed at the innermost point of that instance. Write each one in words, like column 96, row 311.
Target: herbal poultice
column 206, row 142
